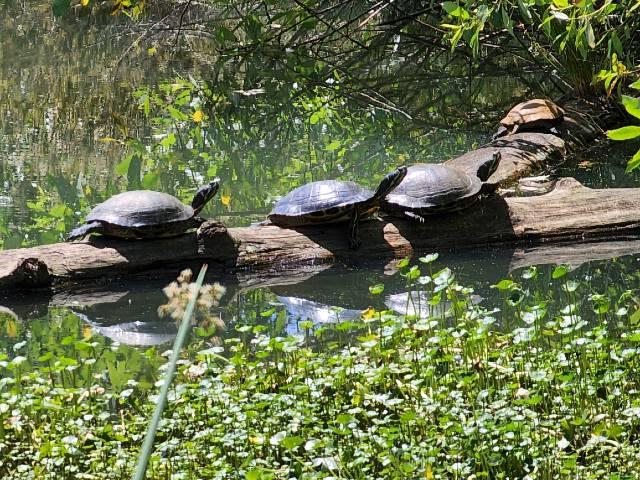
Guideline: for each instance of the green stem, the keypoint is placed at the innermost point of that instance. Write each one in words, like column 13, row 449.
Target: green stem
column 147, row 446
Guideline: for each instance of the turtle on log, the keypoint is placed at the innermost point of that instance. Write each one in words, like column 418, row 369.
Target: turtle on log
column 330, row 201
column 428, row 189
column 533, row 115
column 145, row 214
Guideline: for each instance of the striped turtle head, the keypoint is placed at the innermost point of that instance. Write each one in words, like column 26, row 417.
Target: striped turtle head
column 389, row 183
column 204, row 194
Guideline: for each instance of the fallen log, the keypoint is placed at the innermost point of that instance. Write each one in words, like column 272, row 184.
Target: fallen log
column 570, row 211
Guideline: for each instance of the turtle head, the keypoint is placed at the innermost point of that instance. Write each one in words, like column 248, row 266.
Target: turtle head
column 389, row 182
column 204, row 194
column 489, row 165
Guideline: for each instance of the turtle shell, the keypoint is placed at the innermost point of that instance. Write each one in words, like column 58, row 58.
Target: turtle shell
column 323, row 201
column 433, row 188
column 532, row 113
column 141, row 208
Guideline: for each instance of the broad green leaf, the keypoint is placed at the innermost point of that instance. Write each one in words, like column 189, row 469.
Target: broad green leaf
column 123, row 167
column 376, row 289
column 429, row 258
column 560, row 271
column 591, row 37
column 633, row 163
column 58, row 211
column 624, row 133
column 635, row 85
column 455, row 10
column 635, row 317
column 615, row 42
column 315, row 117
column 506, row 20
column 504, row 284
column 524, row 11
column 631, row 105
column 168, row 141
column 562, row 17
column 223, row 34
column 333, row 146
column 403, row 263
column 150, row 180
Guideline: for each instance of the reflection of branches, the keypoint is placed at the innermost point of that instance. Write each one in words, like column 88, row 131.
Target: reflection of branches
column 374, row 49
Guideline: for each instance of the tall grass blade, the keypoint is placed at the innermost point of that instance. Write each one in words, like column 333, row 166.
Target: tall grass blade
column 147, row 446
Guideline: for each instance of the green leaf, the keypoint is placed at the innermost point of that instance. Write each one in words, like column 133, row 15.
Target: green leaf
column 634, row 337
column 253, row 475
column 504, row 284
column 559, row 272
column 455, row 10
column 58, row 211
column 562, row 17
column 376, row 289
column 315, row 117
column 223, row 34
column 168, row 141
column 524, row 12
column 631, row 105
column 150, row 180
column 624, row 133
column 123, row 167
column 617, row 46
column 635, row 85
column 635, row 317
column 333, row 146
column 633, row 163
column 403, row 263
column 429, row 258
column 591, row 37
column 292, row 442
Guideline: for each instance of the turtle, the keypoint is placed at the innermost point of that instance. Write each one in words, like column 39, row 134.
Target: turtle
column 532, row 115
column 438, row 188
column 145, row 214
column 330, row 201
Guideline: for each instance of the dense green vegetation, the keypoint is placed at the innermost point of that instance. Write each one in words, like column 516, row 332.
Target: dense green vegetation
column 543, row 386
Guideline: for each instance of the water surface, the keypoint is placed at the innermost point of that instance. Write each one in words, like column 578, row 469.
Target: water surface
column 70, row 108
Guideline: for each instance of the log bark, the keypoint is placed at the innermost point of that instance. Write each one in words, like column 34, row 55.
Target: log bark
column 570, row 212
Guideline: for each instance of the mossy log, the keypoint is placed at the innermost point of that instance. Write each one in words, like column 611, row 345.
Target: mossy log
column 569, row 212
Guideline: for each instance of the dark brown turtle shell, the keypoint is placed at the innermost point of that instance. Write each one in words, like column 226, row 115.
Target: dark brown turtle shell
column 432, row 188
column 319, row 202
column 141, row 208
column 536, row 113
column 139, row 214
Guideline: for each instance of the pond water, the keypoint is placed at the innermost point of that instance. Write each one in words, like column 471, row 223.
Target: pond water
column 73, row 132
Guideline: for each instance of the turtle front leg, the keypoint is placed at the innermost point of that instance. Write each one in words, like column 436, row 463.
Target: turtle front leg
column 84, row 230
column 354, row 242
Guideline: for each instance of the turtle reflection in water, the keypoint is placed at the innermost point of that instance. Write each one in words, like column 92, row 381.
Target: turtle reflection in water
column 145, row 214
column 303, row 309
column 330, row 201
column 136, row 333
column 416, row 303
